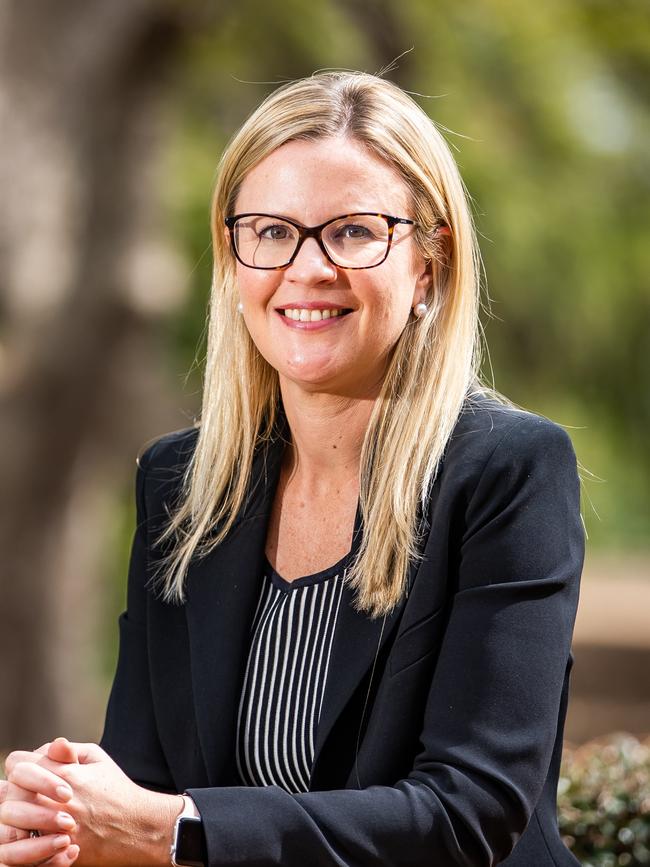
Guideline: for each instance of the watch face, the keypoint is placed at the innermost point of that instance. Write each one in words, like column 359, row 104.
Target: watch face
column 190, row 843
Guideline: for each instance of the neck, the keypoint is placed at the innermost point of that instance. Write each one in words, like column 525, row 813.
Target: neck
column 327, row 433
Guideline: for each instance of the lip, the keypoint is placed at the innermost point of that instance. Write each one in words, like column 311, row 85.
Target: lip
column 312, row 305
column 332, row 322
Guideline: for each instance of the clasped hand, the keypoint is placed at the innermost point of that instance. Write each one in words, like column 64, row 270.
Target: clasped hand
column 85, row 808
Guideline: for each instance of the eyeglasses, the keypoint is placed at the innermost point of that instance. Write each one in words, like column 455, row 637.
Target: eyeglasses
column 352, row 241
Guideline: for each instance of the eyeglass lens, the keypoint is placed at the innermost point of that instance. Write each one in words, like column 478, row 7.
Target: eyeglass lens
column 357, row 241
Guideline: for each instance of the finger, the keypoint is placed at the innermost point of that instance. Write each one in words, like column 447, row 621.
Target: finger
column 19, row 756
column 63, row 859
column 19, row 814
column 8, row 834
column 88, row 753
column 33, row 850
column 16, row 793
column 4, row 785
column 37, row 779
column 61, row 750
column 64, row 753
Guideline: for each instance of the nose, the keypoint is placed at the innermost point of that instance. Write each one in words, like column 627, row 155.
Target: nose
column 311, row 265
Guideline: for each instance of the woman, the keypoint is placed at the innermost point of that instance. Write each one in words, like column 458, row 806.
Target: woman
column 353, row 586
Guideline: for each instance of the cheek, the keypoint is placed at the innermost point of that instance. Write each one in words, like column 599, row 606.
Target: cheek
column 255, row 287
column 384, row 322
column 392, row 299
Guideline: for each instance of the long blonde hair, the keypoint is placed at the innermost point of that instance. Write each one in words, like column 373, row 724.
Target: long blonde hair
column 433, row 367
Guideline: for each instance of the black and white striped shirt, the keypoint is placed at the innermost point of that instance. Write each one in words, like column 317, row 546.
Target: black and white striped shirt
column 279, row 709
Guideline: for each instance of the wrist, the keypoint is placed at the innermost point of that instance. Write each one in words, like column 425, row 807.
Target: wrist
column 157, row 827
column 190, row 807
column 188, row 838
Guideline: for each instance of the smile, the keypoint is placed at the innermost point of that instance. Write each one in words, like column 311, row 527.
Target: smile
column 302, row 314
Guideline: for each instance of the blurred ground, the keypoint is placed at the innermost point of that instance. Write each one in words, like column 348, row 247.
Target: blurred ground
column 610, row 681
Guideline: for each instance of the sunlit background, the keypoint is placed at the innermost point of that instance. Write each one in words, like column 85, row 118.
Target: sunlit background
column 112, row 120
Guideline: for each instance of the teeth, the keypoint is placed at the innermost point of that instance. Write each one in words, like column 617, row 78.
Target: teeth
column 302, row 314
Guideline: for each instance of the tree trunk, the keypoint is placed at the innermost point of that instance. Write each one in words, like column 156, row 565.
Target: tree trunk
column 80, row 87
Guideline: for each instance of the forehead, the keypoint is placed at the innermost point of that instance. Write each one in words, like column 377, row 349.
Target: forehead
column 312, row 181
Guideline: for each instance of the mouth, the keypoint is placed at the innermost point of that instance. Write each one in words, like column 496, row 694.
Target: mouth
column 313, row 314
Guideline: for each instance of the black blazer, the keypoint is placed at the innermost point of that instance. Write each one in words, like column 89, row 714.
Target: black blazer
column 440, row 734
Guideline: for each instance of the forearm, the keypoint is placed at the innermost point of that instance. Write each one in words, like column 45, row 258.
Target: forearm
column 151, row 834
column 406, row 824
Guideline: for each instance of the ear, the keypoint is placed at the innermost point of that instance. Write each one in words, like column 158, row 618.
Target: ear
column 423, row 281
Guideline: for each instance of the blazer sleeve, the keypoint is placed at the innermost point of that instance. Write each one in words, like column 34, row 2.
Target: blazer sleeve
column 491, row 714
column 130, row 735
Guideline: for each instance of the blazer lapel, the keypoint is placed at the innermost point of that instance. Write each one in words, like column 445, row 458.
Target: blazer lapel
column 223, row 590
column 357, row 642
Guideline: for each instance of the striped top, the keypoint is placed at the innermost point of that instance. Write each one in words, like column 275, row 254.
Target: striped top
column 282, row 693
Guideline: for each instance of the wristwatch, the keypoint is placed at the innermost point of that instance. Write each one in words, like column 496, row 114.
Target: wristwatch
column 188, row 839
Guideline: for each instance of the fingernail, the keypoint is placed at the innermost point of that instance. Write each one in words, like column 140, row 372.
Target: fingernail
column 72, row 853
column 63, row 793
column 65, row 820
column 60, row 841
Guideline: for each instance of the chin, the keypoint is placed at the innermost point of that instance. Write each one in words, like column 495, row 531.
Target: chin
column 344, row 384
column 310, row 378
column 310, row 367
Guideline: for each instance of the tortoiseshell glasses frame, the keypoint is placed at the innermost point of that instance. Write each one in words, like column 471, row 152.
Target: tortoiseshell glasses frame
column 316, row 232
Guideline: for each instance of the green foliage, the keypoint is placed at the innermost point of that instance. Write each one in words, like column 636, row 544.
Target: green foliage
column 604, row 802
column 547, row 110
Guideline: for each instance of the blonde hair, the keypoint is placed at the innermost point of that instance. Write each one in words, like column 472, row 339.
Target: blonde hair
column 433, row 367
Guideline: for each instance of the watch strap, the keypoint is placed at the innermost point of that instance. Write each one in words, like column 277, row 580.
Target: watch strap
column 189, row 811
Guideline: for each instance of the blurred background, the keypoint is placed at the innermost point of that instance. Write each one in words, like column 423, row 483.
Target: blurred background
column 113, row 116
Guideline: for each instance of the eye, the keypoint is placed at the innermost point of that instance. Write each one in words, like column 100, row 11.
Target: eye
column 353, row 232
column 275, row 232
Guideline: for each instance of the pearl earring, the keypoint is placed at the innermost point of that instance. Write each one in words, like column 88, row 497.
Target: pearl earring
column 419, row 310
column 240, row 308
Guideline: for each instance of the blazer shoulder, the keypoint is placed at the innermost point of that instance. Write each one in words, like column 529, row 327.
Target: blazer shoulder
column 485, row 421
column 162, row 463
column 487, row 426
column 171, row 451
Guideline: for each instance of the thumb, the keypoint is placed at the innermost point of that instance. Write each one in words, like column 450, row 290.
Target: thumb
column 61, row 750
column 88, row 753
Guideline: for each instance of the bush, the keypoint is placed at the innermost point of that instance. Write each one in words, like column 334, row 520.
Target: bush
column 604, row 801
